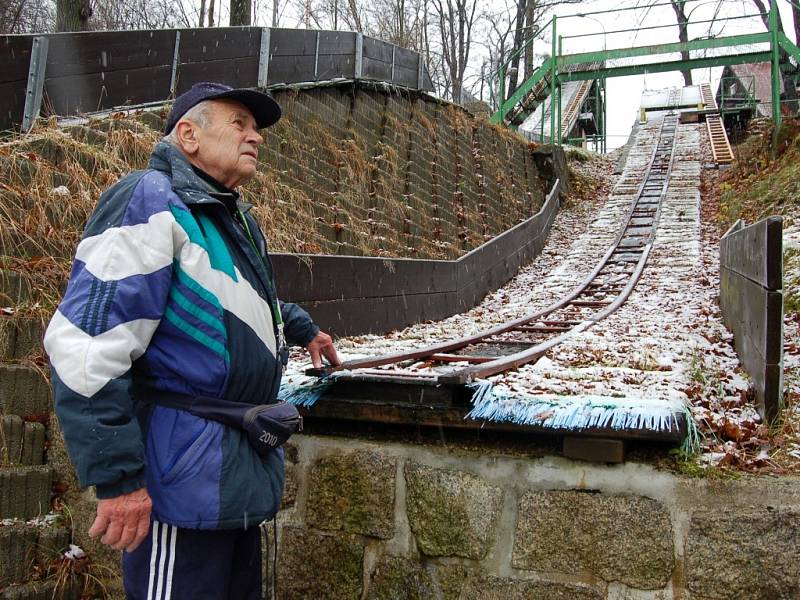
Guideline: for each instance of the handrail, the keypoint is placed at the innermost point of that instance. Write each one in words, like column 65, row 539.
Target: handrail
column 649, row 27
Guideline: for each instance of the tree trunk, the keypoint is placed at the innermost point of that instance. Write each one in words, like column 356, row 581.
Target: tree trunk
column 530, row 16
column 202, row 13
column 210, row 13
column 683, row 36
column 354, row 13
column 274, row 13
column 519, row 36
column 241, row 13
column 73, row 15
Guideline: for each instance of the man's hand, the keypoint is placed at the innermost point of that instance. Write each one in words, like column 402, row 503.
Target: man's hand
column 123, row 521
column 322, row 346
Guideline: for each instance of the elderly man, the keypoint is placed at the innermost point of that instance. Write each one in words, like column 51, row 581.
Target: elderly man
column 172, row 297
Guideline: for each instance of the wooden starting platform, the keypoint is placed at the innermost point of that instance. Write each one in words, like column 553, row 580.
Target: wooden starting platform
column 403, row 400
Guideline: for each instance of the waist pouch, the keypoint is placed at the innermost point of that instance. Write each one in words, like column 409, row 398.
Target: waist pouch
column 267, row 426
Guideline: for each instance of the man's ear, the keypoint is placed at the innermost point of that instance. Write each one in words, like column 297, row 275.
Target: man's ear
column 187, row 136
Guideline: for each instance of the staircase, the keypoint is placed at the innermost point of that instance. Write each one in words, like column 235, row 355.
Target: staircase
column 573, row 108
column 29, row 542
column 720, row 146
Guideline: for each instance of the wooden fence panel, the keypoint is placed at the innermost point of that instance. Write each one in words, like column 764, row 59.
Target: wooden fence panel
column 16, row 53
column 752, row 305
column 755, row 252
column 97, row 70
column 104, row 69
column 351, row 295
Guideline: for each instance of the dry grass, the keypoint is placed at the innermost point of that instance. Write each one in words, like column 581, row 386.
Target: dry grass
column 318, row 191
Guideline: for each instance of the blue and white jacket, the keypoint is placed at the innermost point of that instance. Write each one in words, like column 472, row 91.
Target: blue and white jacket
column 170, row 292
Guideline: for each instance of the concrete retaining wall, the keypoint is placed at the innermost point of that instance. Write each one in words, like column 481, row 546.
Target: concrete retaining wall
column 369, row 520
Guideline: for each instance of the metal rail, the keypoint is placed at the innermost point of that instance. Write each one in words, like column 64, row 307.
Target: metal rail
column 526, row 339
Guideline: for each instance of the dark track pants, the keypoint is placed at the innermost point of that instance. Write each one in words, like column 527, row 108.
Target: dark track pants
column 182, row 564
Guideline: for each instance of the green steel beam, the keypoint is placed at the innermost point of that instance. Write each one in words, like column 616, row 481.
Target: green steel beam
column 520, row 92
column 554, row 88
column 677, row 65
column 733, row 40
column 789, row 46
column 776, row 74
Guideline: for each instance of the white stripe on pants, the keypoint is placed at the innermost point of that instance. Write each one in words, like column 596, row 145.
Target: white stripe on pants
column 162, row 551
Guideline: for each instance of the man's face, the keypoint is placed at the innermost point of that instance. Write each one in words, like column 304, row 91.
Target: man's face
column 228, row 148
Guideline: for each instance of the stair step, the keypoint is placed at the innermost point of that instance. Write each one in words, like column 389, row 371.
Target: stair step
column 22, row 546
column 24, row 391
column 20, row 337
column 22, row 442
column 25, row 492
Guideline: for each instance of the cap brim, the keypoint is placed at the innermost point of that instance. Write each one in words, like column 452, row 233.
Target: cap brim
column 265, row 109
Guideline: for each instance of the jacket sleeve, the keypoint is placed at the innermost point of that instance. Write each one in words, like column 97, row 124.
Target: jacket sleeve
column 114, row 301
column 297, row 325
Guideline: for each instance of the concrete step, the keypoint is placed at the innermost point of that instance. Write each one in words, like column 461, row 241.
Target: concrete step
column 20, row 337
column 24, row 391
column 22, row 442
column 25, row 492
column 24, row 546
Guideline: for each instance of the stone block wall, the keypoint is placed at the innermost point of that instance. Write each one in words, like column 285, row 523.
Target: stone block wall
column 366, row 520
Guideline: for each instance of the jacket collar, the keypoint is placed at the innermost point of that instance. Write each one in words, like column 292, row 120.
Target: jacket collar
column 191, row 188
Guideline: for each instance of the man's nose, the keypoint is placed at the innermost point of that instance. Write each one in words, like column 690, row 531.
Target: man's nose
column 255, row 137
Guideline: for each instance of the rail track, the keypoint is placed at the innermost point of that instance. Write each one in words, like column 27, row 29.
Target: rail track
column 526, row 339
column 443, row 386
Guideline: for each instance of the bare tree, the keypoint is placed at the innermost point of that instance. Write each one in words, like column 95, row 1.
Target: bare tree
column 210, row 13
column 683, row 35
column 241, row 13
column 354, row 13
column 73, row 15
column 454, row 21
column 26, row 16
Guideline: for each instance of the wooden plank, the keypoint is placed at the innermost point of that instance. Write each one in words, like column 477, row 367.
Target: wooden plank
column 87, row 53
column 337, row 42
column 219, row 43
column 594, row 449
column 405, row 77
column 406, row 59
column 754, row 313
column 332, row 66
column 236, row 72
column 291, row 42
column 755, row 316
column 433, row 415
column 356, row 316
column 376, row 69
column 314, row 277
column 12, row 104
column 15, row 56
column 290, row 69
column 377, row 50
column 755, row 252
column 95, row 91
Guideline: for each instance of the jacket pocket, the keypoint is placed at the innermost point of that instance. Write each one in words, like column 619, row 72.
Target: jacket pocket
column 182, row 465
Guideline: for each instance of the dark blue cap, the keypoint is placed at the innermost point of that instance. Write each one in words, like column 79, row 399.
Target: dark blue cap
column 265, row 109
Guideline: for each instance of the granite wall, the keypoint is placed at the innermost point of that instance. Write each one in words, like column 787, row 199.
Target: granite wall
column 387, row 520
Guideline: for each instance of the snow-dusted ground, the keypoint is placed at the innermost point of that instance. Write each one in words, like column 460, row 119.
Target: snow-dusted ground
column 666, row 348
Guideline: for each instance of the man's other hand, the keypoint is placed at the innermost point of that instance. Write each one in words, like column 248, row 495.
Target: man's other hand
column 322, row 346
column 123, row 521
